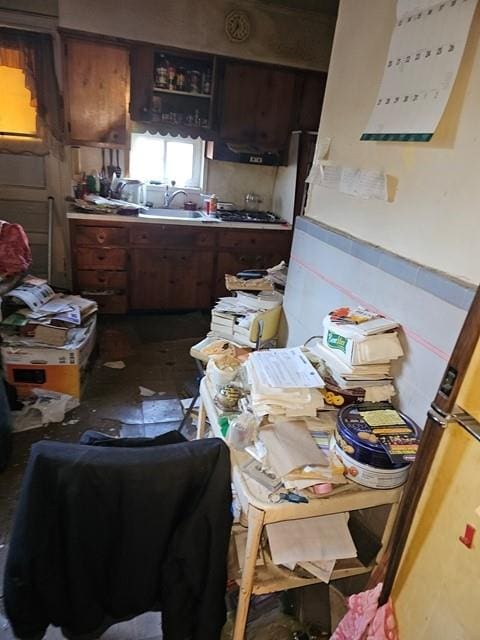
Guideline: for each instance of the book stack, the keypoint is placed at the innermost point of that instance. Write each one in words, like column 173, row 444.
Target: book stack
column 355, row 356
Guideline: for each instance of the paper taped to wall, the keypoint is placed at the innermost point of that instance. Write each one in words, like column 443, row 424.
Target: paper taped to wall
column 321, row 150
column 360, row 183
column 425, row 52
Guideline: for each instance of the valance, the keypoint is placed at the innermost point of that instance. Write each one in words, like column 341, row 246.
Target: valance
column 33, row 53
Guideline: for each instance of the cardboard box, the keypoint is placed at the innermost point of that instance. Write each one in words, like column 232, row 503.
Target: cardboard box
column 356, row 349
column 52, row 368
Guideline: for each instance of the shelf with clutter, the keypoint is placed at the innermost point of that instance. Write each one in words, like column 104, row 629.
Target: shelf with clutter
column 319, row 452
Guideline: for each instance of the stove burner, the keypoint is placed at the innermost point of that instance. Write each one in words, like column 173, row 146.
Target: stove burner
column 261, row 217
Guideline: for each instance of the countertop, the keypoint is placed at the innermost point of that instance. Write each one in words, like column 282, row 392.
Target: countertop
column 99, row 217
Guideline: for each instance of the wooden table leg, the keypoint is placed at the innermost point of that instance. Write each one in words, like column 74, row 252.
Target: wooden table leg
column 202, row 416
column 255, row 526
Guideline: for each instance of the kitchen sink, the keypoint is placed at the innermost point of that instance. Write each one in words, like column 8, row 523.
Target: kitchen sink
column 171, row 214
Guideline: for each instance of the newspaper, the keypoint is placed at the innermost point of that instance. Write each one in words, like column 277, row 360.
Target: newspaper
column 33, row 292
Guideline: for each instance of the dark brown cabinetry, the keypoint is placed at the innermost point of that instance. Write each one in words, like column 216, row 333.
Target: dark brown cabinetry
column 142, row 266
column 256, row 105
column 165, row 279
column 309, row 106
column 97, row 87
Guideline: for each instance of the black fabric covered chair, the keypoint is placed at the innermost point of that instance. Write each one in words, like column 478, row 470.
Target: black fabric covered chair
column 5, row 427
column 112, row 528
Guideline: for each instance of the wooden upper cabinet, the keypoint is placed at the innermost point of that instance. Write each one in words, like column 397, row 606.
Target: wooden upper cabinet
column 257, row 105
column 97, row 87
column 311, row 92
column 142, row 63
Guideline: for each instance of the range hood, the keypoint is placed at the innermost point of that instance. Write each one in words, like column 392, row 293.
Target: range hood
column 243, row 153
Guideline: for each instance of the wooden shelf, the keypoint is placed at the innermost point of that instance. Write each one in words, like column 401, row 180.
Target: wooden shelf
column 270, row 577
column 174, row 92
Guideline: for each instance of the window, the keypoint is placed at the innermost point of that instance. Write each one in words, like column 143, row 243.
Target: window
column 17, row 115
column 165, row 158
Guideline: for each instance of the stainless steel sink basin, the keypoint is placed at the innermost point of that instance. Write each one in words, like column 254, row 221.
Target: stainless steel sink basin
column 171, row 214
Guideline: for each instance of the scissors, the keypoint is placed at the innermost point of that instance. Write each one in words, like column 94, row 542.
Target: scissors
column 289, row 497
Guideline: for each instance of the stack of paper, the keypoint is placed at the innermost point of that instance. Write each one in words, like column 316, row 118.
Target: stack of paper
column 361, row 338
column 318, row 542
column 283, row 382
column 237, row 317
column 44, row 318
column 355, row 356
column 371, row 383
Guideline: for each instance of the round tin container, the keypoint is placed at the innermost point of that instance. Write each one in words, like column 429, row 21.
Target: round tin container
column 354, row 437
column 372, row 477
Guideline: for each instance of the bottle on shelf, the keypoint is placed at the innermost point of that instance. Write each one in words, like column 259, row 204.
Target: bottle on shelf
column 181, row 79
column 161, row 73
column 171, row 73
column 207, row 82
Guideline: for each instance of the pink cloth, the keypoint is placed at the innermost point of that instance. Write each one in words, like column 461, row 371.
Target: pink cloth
column 365, row 621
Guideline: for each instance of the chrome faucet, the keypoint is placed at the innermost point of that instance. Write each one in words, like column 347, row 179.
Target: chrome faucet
column 169, row 197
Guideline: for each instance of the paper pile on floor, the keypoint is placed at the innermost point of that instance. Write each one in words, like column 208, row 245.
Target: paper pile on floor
column 356, row 355
column 44, row 407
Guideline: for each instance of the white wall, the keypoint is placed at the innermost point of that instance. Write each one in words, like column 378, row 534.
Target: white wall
column 278, row 35
column 434, row 218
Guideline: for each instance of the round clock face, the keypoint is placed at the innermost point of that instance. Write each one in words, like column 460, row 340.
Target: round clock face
column 237, row 26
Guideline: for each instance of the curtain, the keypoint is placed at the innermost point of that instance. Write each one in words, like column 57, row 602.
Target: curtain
column 33, row 53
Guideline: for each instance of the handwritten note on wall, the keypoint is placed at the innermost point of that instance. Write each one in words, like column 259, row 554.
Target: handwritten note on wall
column 425, row 52
column 360, row 183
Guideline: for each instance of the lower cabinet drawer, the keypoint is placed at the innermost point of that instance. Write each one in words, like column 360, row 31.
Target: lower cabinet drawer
column 110, row 303
column 95, row 236
column 102, row 279
column 104, row 259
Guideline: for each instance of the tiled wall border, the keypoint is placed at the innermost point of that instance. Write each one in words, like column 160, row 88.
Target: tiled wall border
column 447, row 288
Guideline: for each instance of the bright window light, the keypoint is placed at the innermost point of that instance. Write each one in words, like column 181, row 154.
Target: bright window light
column 165, row 158
column 17, row 116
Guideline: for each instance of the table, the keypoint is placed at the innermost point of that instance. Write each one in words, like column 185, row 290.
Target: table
column 255, row 504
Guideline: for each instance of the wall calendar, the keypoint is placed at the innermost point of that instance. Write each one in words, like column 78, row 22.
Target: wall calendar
column 425, row 52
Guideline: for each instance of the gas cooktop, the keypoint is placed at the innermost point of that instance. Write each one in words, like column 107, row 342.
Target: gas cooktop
column 260, row 217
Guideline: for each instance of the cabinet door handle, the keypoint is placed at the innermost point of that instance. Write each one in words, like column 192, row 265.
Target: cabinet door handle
column 101, row 257
column 101, row 237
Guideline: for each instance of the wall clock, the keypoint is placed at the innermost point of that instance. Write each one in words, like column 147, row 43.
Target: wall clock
column 237, row 26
